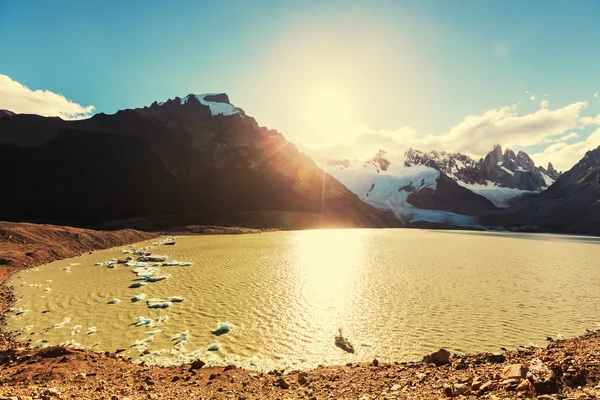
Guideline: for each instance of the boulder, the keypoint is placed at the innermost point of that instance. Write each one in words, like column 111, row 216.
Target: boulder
column 542, row 377
column 514, row 371
column 440, row 357
column 197, row 364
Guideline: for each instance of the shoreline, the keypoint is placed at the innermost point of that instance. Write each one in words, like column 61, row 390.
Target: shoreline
column 58, row 372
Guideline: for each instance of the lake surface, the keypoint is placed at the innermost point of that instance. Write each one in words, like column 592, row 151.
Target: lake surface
column 397, row 295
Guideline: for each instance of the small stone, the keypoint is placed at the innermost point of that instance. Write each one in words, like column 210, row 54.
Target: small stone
column 514, row 371
column 485, row 387
column 229, row 368
column 213, row 376
column 175, row 378
column 375, row 363
column 524, row 386
column 302, row 378
column 460, row 389
column 282, row 383
column 440, row 357
column 496, row 358
column 197, row 364
column 448, row 391
column 396, row 387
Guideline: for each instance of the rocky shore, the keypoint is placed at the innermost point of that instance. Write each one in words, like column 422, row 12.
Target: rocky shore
column 565, row 369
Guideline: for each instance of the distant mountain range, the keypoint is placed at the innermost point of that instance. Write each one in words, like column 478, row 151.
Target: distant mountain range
column 199, row 159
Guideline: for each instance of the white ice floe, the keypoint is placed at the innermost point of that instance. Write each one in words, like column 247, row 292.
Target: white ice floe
column 176, row 299
column 62, row 323
column 47, row 289
column 114, row 301
column 222, row 328
column 90, row 330
column 156, row 278
column 138, row 297
column 67, row 268
column 158, row 303
column 181, row 338
column 173, row 263
column 213, row 347
column 145, row 271
column 155, row 332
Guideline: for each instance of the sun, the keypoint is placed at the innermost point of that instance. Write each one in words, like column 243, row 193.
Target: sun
column 327, row 113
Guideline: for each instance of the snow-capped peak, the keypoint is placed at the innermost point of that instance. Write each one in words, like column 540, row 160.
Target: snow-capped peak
column 217, row 102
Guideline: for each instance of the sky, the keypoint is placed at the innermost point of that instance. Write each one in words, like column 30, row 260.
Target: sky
column 340, row 79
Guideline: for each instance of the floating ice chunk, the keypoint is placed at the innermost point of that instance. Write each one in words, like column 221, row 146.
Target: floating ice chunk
column 62, row 323
column 181, row 338
column 213, row 347
column 155, row 278
column 111, row 265
column 114, row 301
column 222, row 328
column 138, row 297
column 139, row 321
column 145, row 271
column 173, row 263
column 158, row 303
column 155, row 332
column 47, row 289
column 90, row 330
column 155, row 258
column 67, row 268
column 48, row 281
column 34, row 285
column 159, row 320
column 176, row 299
column 135, row 285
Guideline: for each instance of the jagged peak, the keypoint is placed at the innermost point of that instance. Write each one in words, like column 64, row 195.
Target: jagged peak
column 218, row 103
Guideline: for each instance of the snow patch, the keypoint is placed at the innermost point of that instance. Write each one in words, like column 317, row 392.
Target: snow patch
column 507, row 170
column 547, row 180
column 216, row 108
column 499, row 196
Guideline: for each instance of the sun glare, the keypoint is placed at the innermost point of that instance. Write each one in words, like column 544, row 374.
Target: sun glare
column 327, row 113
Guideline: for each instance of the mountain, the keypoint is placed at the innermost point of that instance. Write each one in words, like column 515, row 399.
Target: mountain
column 415, row 193
column 571, row 204
column 442, row 186
column 504, row 169
column 6, row 113
column 195, row 159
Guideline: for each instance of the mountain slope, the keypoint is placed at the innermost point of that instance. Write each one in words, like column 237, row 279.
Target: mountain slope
column 197, row 156
column 571, row 204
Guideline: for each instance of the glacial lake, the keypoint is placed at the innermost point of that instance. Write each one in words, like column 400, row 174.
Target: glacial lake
column 397, row 294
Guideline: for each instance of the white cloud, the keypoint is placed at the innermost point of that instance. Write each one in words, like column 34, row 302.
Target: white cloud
column 563, row 156
column 591, row 120
column 532, row 98
column 567, row 137
column 595, row 94
column 22, row 100
column 544, row 103
column 475, row 135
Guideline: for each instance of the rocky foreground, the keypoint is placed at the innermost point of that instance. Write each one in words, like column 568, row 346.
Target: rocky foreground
column 566, row 369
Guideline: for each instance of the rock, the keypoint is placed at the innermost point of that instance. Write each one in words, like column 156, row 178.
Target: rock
column 542, row 377
column 229, row 368
column 197, row 364
column 496, row 358
column 375, row 363
column 485, row 387
column 448, row 391
column 440, row 357
column 514, row 371
column 545, row 397
column 302, row 379
column 395, row 388
column 460, row 389
column 475, row 385
column 525, row 386
column 282, row 383
column 213, row 376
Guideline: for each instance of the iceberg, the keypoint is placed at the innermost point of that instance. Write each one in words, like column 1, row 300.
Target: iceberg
column 114, row 301
column 173, row 263
column 90, row 330
column 176, row 299
column 156, row 332
column 155, row 278
column 135, row 285
column 213, row 347
column 181, row 338
column 139, row 321
column 138, row 297
column 158, row 303
column 145, row 271
column 222, row 328
column 67, row 268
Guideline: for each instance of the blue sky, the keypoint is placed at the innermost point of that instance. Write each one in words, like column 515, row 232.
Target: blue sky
column 389, row 67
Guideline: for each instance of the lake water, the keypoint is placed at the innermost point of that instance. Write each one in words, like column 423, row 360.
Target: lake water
column 397, row 295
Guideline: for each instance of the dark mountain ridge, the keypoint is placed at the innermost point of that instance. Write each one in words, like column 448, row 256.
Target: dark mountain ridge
column 177, row 158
